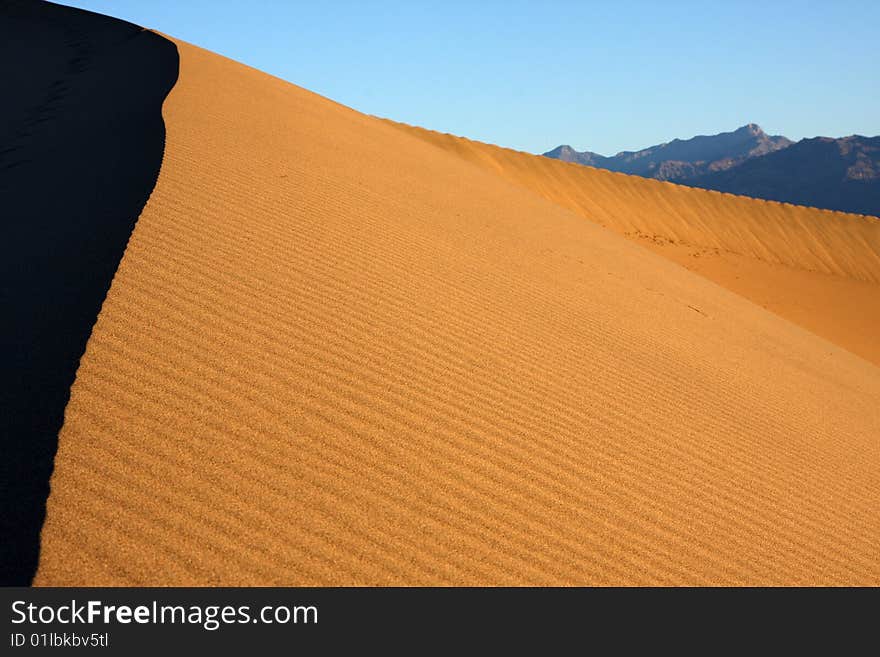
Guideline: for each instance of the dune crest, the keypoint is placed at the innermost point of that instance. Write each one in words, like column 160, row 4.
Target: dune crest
column 334, row 354
column 81, row 139
column 817, row 268
column 804, row 238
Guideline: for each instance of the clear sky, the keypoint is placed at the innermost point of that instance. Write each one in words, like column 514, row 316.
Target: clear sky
column 603, row 76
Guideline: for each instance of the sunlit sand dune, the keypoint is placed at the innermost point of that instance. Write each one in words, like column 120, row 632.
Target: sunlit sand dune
column 818, row 268
column 336, row 354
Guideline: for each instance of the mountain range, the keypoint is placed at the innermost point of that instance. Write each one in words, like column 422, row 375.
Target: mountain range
column 836, row 174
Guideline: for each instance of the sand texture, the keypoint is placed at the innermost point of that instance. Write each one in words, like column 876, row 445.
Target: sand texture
column 336, row 354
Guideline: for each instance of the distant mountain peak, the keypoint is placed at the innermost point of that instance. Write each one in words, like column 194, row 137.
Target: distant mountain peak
column 752, row 129
column 563, row 150
column 682, row 159
column 567, row 154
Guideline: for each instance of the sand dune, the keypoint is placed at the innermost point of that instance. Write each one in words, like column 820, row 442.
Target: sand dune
column 336, row 354
column 818, row 268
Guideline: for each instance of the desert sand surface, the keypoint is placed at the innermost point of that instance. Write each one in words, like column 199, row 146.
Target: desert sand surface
column 839, row 308
column 817, row 268
column 334, row 354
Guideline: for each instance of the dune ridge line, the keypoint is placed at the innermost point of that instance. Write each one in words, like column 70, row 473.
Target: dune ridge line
column 817, row 268
column 81, row 140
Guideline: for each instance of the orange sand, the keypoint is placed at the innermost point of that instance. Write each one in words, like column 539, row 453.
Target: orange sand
column 838, row 308
column 818, row 268
column 336, row 354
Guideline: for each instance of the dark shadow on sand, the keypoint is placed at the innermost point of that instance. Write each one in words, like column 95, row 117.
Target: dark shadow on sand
column 81, row 143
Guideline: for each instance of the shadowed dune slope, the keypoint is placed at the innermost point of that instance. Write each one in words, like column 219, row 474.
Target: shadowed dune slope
column 81, row 138
column 818, row 268
column 334, row 354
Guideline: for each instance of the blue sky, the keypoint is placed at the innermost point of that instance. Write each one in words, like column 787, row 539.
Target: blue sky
column 604, row 76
